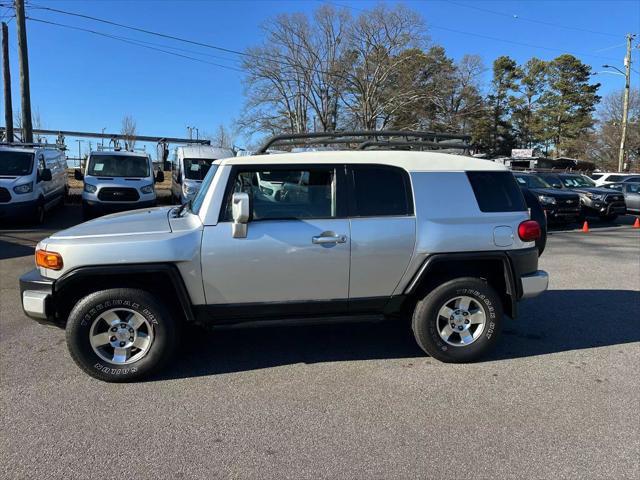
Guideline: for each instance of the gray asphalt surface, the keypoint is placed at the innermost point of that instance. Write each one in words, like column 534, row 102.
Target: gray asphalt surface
column 559, row 398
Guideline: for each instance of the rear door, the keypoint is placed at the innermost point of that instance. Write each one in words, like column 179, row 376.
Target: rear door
column 632, row 196
column 297, row 245
column 383, row 232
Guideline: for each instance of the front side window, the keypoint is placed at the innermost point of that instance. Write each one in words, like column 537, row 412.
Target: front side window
column 196, row 168
column 15, row 164
column 284, row 194
column 380, row 191
column 633, row 188
column 118, row 166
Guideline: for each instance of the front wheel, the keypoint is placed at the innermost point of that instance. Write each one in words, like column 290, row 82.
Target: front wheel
column 459, row 321
column 120, row 335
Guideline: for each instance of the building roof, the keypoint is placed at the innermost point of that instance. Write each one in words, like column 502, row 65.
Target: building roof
column 409, row 160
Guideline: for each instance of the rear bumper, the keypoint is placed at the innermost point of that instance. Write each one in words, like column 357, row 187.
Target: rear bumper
column 534, row 284
column 36, row 293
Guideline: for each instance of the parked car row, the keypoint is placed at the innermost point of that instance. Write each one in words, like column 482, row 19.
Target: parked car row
column 569, row 197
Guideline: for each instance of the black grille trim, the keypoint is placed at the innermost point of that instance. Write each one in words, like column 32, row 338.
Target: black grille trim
column 111, row 194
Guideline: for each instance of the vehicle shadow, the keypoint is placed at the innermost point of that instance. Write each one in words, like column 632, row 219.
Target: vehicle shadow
column 557, row 321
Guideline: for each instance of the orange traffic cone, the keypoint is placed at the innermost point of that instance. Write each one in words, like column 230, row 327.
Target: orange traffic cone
column 636, row 224
column 585, row 227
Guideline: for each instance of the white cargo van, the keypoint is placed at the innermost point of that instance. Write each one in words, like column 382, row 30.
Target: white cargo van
column 33, row 180
column 117, row 180
column 189, row 166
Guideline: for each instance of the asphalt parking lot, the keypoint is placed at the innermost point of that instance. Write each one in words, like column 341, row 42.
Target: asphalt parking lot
column 559, row 398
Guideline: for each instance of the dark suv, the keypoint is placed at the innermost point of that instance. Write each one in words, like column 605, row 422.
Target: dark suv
column 596, row 201
column 560, row 206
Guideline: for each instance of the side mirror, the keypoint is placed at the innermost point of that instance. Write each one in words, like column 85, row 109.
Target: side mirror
column 77, row 174
column 559, row 187
column 45, row 175
column 240, row 212
column 159, row 178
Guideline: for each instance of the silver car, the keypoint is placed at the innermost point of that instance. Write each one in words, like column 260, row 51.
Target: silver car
column 444, row 240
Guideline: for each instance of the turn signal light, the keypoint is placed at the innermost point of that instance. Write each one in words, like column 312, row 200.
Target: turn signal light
column 50, row 260
column 529, row 231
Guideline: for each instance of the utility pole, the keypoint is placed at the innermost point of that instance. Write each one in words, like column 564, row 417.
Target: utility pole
column 23, row 63
column 6, row 73
column 625, row 104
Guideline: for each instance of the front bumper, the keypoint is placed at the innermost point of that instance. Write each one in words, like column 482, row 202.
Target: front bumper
column 36, row 293
column 99, row 207
column 17, row 210
column 534, row 284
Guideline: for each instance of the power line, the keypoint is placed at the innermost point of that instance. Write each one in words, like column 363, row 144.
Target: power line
column 531, row 20
column 132, row 42
column 487, row 37
column 141, row 30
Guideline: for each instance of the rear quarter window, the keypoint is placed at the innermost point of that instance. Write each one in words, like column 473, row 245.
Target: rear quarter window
column 497, row 192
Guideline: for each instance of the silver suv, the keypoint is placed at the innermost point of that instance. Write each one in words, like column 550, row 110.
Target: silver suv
column 445, row 240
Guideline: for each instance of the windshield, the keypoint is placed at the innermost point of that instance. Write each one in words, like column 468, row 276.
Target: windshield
column 577, row 181
column 196, row 168
column 16, row 164
column 532, row 181
column 199, row 198
column 118, row 166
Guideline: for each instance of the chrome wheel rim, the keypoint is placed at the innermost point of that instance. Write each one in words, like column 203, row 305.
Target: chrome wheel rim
column 120, row 336
column 461, row 321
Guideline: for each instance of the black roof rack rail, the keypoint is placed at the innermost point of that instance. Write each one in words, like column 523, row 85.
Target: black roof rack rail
column 370, row 138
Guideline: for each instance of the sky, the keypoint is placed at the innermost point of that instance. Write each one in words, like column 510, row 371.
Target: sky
column 82, row 81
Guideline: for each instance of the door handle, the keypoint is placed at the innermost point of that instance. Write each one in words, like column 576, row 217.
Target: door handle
column 325, row 239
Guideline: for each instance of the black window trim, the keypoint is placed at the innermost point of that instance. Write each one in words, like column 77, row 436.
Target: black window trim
column 340, row 175
column 350, row 168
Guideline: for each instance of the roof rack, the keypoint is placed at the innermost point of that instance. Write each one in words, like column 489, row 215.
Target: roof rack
column 32, row 145
column 366, row 139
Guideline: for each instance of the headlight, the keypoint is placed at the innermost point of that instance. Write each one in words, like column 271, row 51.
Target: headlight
column 147, row 188
column 266, row 191
column 90, row 188
column 189, row 189
column 597, row 197
column 547, row 200
column 24, row 188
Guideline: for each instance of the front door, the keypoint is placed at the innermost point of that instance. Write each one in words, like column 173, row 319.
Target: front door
column 295, row 258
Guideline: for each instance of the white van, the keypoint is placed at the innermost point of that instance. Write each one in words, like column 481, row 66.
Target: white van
column 33, row 180
column 117, row 180
column 189, row 166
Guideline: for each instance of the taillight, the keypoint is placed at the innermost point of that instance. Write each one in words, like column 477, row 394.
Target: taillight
column 50, row 260
column 529, row 231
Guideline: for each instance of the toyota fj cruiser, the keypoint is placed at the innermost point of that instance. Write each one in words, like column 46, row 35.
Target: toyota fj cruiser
column 445, row 240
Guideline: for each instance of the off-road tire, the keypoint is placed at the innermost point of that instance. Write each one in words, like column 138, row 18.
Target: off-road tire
column 425, row 320
column 90, row 307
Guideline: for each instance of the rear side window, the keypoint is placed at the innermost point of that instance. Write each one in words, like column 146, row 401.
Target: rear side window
column 615, row 178
column 380, row 191
column 497, row 192
column 596, row 176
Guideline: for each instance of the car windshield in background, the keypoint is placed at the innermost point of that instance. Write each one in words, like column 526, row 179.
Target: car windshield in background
column 199, row 198
column 196, row 168
column 577, row 181
column 15, row 164
column 118, row 166
column 532, row 181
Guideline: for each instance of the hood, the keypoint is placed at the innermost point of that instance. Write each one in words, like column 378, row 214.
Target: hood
column 136, row 222
column 10, row 181
column 554, row 192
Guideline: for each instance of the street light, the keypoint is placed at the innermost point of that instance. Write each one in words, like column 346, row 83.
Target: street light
column 615, row 68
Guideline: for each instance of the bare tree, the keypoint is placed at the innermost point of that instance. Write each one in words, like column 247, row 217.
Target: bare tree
column 223, row 138
column 380, row 42
column 128, row 131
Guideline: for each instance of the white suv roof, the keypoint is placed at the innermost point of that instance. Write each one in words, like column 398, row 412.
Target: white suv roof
column 409, row 160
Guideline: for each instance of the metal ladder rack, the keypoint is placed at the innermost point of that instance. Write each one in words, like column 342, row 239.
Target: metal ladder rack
column 366, row 139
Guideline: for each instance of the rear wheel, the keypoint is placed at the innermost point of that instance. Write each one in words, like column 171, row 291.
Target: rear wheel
column 459, row 321
column 120, row 335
